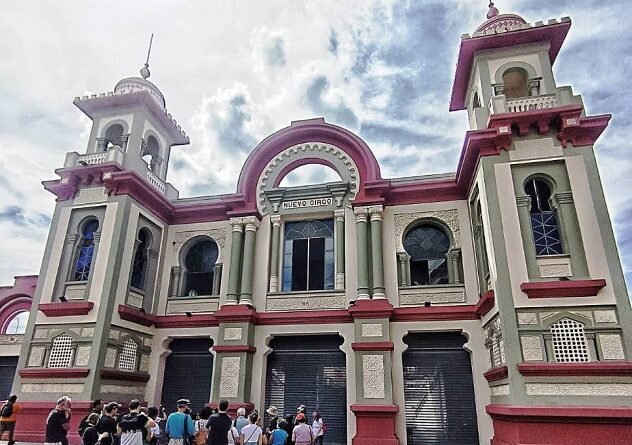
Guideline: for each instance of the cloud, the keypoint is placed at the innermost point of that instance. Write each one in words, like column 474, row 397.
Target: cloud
column 333, row 42
column 330, row 103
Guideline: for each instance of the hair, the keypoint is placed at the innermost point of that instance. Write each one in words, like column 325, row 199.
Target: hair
column 62, row 399
column 223, row 405
column 13, row 398
column 111, row 407
column 205, row 412
column 282, row 424
column 93, row 418
column 301, row 419
column 133, row 404
column 316, row 415
column 152, row 412
column 96, row 403
column 253, row 416
column 241, row 411
column 144, row 410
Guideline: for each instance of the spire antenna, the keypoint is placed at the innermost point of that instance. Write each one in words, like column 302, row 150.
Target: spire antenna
column 493, row 11
column 144, row 71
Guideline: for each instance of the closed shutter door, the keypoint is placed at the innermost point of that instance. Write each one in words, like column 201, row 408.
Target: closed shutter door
column 7, row 372
column 439, row 391
column 188, row 373
column 310, row 371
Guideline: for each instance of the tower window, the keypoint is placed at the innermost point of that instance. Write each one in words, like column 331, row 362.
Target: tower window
column 127, row 357
column 86, row 251
column 139, row 268
column 114, row 134
column 308, row 255
column 151, row 154
column 546, row 232
column 569, row 341
column 200, row 263
column 516, row 83
column 427, row 246
column 61, row 352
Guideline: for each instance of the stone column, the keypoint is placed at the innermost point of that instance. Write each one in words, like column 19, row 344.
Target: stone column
column 454, row 256
column 274, row 253
column 340, row 249
column 234, row 272
column 376, row 252
column 124, row 139
column 102, row 145
column 248, row 261
column 217, row 278
column 402, row 268
column 482, row 266
column 570, row 233
column 524, row 216
column 361, row 215
column 176, row 273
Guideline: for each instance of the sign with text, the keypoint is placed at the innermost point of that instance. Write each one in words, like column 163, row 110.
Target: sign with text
column 305, row 203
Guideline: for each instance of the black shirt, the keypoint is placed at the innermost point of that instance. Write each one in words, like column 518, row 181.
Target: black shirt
column 133, row 422
column 272, row 425
column 90, row 435
column 55, row 431
column 107, row 424
column 220, row 426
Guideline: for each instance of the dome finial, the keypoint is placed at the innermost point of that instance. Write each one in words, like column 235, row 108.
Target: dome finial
column 493, row 11
column 144, row 71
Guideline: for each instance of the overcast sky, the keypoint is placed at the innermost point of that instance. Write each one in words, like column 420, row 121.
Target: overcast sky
column 233, row 72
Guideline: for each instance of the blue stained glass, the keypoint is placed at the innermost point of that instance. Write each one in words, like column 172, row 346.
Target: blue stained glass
column 546, row 234
column 84, row 259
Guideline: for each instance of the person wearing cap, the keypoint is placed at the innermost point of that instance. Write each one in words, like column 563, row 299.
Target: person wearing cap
column 108, row 424
column 274, row 420
column 58, row 422
column 219, row 425
column 133, row 425
column 179, row 424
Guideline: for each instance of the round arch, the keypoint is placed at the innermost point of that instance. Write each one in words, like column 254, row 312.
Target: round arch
column 498, row 75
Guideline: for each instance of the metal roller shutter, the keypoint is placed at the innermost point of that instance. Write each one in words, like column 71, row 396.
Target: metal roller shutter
column 439, row 390
column 7, row 372
column 310, row 371
column 188, row 373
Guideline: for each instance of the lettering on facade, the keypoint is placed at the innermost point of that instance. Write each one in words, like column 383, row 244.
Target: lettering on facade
column 305, row 203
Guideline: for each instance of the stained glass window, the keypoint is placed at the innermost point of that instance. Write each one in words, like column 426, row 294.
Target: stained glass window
column 308, row 255
column 546, row 233
column 140, row 261
column 84, row 259
column 427, row 246
column 200, row 262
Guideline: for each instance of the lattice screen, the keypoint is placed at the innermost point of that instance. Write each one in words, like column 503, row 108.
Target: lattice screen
column 569, row 341
column 61, row 352
column 127, row 357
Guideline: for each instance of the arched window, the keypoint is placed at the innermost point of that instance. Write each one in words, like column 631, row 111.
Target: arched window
column 127, row 357
column 516, row 83
column 427, row 246
column 569, row 341
column 151, row 154
column 476, row 102
column 113, row 135
column 546, row 233
column 308, row 255
column 17, row 324
column 61, row 352
column 86, row 250
column 200, row 263
column 139, row 267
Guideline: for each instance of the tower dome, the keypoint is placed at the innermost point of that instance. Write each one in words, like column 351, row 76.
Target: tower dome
column 497, row 22
column 132, row 84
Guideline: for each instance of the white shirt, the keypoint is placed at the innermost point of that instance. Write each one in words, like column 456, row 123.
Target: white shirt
column 232, row 435
column 317, row 427
column 251, row 433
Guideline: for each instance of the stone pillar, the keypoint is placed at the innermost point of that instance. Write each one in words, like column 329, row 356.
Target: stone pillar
column 570, row 233
column 217, row 278
column 102, row 145
column 454, row 256
column 176, row 273
column 482, row 266
column 274, row 253
column 361, row 215
column 524, row 216
column 234, row 272
column 340, row 249
column 377, row 261
column 248, row 261
column 124, row 138
column 402, row 268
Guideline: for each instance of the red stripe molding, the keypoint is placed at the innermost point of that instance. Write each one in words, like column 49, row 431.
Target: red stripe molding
column 576, row 369
column 53, row 373
column 117, row 374
column 436, row 313
column 185, row 321
column 486, row 303
column 373, row 346
column 499, row 373
column 376, row 308
column 66, row 309
column 561, row 289
column 304, row 317
column 234, row 348
column 614, row 414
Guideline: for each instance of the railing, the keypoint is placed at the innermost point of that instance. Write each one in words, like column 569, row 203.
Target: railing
column 531, row 103
column 156, row 182
column 113, row 154
column 92, row 159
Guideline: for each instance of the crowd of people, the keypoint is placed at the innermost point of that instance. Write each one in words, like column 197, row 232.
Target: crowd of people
column 106, row 424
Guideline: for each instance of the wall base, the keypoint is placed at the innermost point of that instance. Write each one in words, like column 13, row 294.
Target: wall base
column 375, row 424
column 560, row 425
column 30, row 423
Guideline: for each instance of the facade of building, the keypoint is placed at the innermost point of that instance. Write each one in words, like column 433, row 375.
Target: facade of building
column 483, row 305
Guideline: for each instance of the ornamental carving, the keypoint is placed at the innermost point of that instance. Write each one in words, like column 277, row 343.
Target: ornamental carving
column 233, row 333
column 218, row 235
column 579, row 389
column 373, row 376
column 532, row 348
column 611, row 347
column 449, row 217
column 372, row 330
column 555, row 270
column 59, row 388
column 120, row 389
column 307, row 303
column 500, row 390
column 8, row 339
column 36, row 357
column 83, row 356
column 180, row 307
column 229, row 380
column 608, row 316
column 435, row 297
column 528, row 319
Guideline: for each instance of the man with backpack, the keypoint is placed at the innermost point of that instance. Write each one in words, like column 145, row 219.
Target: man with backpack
column 133, row 425
column 97, row 408
column 7, row 417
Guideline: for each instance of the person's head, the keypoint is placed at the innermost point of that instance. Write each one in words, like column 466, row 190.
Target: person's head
column 222, row 406
column 241, row 412
column 63, row 403
column 316, row 415
column 144, row 410
column 253, row 417
column 282, row 424
column 133, row 405
column 272, row 410
column 97, row 405
column 301, row 409
column 183, row 404
column 152, row 412
column 300, row 418
column 205, row 412
column 93, row 418
column 13, row 398
column 111, row 409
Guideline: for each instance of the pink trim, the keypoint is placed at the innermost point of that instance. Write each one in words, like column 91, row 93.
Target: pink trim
column 486, row 303
column 66, row 309
column 22, row 303
column 74, row 177
column 134, row 315
column 576, row 369
column 562, row 289
column 586, row 133
column 233, row 407
column 131, row 376
column 373, row 346
column 183, row 321
column 236, row 313
column 375, row 308
column 234, row 348
column 304, row 317
column 554, row 34
column 366, row 409
column 557, row 413
column 422, row 313
column 298, row 163
column 499, row 373
column 375, row 424
column 53, row 373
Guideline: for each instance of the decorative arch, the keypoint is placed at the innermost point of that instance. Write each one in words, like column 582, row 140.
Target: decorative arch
column 433, row 221
column 498, row 75
column 11, row 306
column 123, row 123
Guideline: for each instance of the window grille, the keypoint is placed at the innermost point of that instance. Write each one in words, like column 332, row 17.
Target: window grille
column 544, row 225
column 200, row 263
column 569, row 341
column 127, row 357
column 140, row 262
column 86, row 250
column 427, row 246
column 61, row 352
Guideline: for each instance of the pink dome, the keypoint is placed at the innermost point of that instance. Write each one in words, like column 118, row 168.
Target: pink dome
column 502, row 22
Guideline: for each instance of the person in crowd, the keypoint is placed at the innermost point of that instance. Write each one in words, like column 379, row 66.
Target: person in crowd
column 133, row 425
column 219, row 425
column 274, row 419
column 200, row 425
column 289, row 427
column 252, row 434
column 302, row 433
column 7, row 418
column 279, row 436
column 179, row 424
column 154, row 431
column 233, row 436
column 108, row 424
column 241, row 420
column 96, row 408
column 90, row 434
column 317, row 428
column 58, row 422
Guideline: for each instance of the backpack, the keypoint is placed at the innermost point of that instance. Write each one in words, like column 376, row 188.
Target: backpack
column 7, row 410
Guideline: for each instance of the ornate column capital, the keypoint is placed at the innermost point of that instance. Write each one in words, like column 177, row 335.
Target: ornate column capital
column 251, row 223
column 524, row 201
column 237, row 224
column 339, row 215
column 361, row 214
column 402, row 257
column 275, row 220
column 562, row 198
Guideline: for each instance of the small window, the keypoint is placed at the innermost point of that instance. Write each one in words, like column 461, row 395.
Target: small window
column 86, row 250
column 127, row 357
column 139, row 268
column 476, row 102
column 17, row 324
column 546, row 232
column 569, row 341
column 113, row 135
column 515, row 82
column 151, row 154
column 200, row 263
column 427, row 246
column 308, row 256
column 61, row 352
